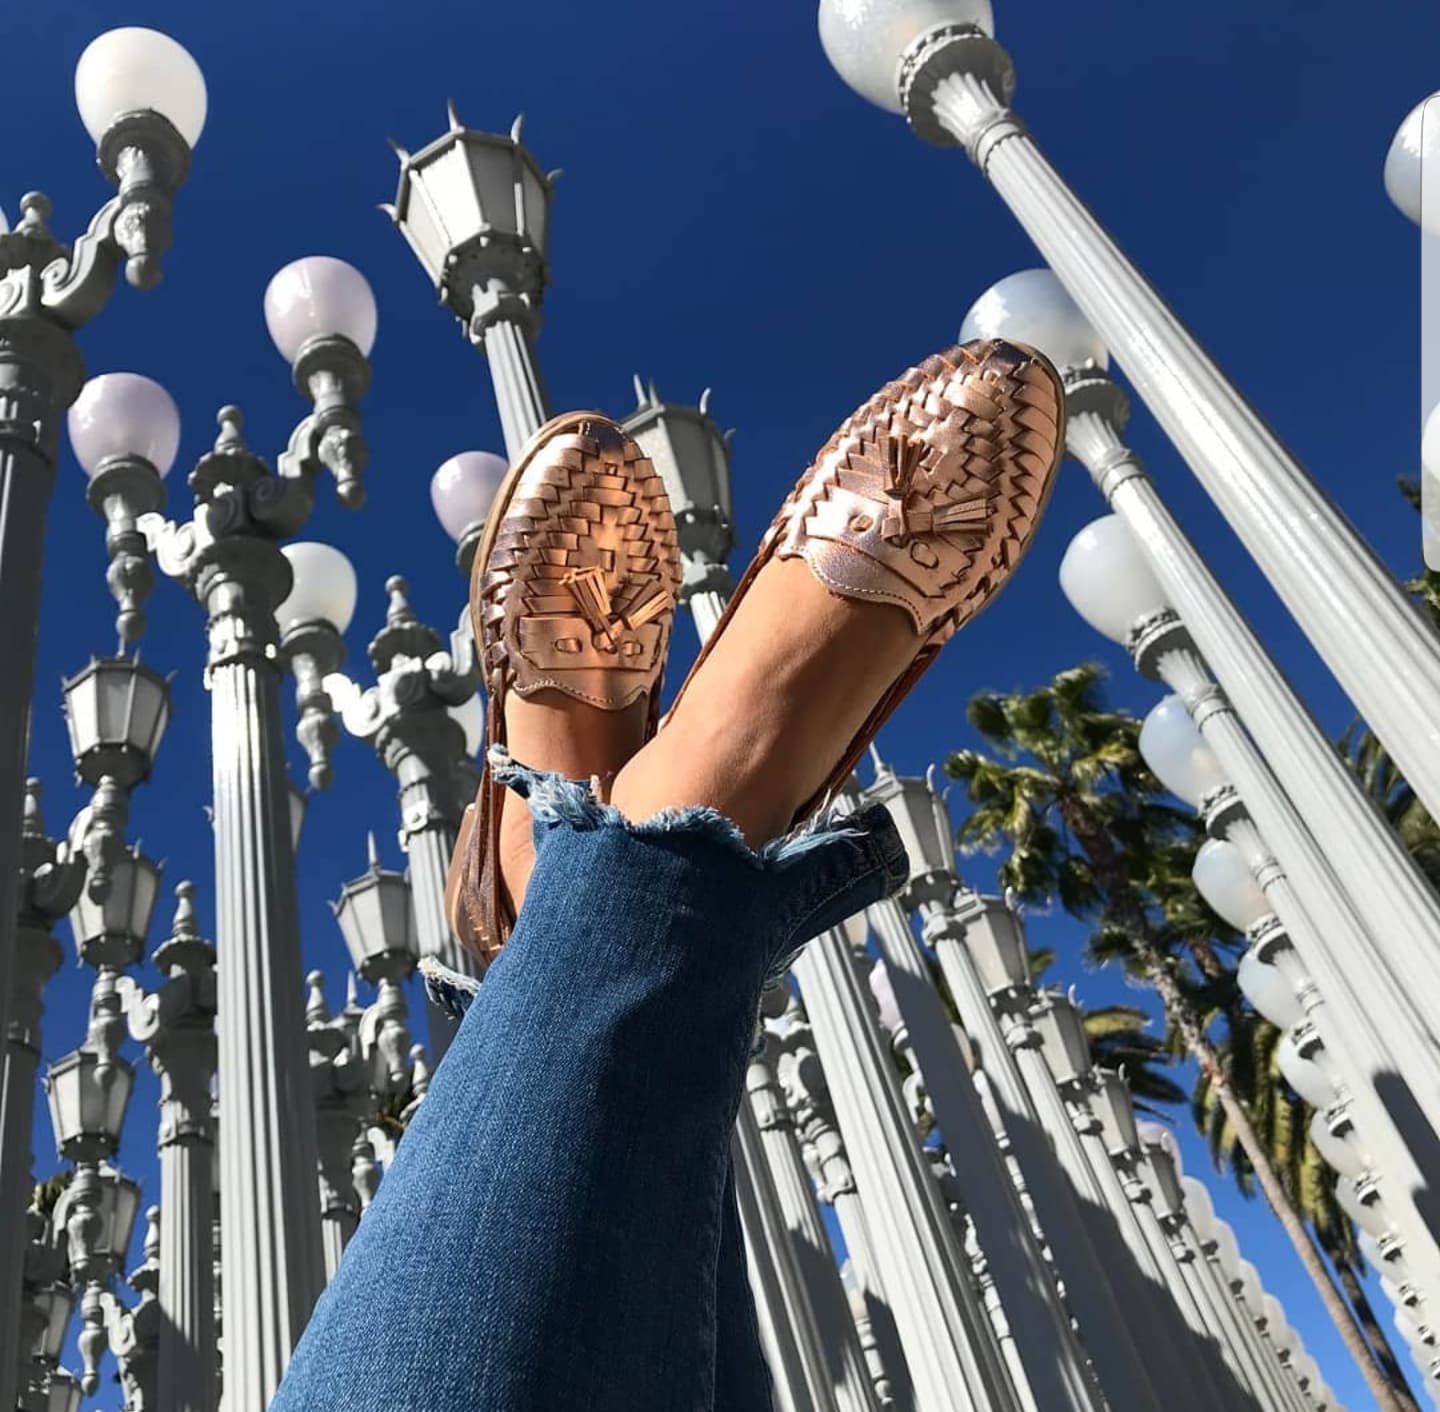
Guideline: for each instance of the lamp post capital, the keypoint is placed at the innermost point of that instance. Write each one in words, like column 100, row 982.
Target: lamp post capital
column 979, row 103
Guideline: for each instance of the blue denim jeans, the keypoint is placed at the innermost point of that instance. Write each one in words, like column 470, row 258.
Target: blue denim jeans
column 558, row 1231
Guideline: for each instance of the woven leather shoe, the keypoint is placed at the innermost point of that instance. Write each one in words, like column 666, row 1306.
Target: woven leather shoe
column 573, row 590
column 926, row 498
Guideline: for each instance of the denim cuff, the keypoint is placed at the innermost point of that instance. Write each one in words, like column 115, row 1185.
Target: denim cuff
column 831, row 868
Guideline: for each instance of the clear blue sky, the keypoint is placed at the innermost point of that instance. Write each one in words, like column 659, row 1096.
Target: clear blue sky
column 731, row 215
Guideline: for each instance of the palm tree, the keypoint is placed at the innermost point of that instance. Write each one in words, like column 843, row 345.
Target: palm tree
column 1083, row 821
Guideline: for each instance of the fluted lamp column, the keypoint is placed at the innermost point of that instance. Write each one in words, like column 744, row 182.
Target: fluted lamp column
column 807, row 1095
column 935, row 62
column 949, row 1346
column 834, row 1363
column 966, row 935
column 322, row 318
column 44, row 1386
column 177, row 1026
column 1229, row 872
column 1049, row 1351
column 475, row 207
column 50, row 882
column 142, row 99
column 420, row 716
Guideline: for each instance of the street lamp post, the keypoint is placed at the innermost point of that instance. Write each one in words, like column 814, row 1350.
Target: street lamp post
column 833, row 1362
column 935, row 62
column 44, row 1386
column 142, row 99
column 474, row 207
column 950, row 1348
column 1042, row 1137
column 806, row 1093
column 50, row 881
column 176, row 1025
column 414, row 717
column 1303, row 796
column 229, row 557
column 692, row 456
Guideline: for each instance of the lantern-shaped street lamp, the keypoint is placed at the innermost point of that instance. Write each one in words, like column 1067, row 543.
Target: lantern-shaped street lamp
column 692, row 457
column 53, row 1304
column 462, row 491
column 923, row 822
column 116, row 710
column 1116, row 1112
column 125, row 431
column 58, row 1391
column 312, row 619
column 474, row 207
column 117, row 1204
column 377, row 919
column 88, row 1092
column 1066, row 1047
column 111, row 932
column 1164, row 1169
column 995, row 939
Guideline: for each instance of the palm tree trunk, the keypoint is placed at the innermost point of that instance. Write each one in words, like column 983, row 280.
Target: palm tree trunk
column 1124, row 907
column 1380, row 1345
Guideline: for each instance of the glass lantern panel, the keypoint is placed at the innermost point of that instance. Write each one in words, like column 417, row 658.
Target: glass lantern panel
column 55, row 1304
column 398, row 915
column 536, row 203
column 492, row 183
column 116, row 1088
column 123, row 1203
column 82, row 711
column 87, row 920
column 63, row 1094
column 144, row 894
column 1116, row 1113
column 451, row 188
column 150, row 712
column 423, row 227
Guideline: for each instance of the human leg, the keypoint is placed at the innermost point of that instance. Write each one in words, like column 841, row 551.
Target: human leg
column 549, row 1233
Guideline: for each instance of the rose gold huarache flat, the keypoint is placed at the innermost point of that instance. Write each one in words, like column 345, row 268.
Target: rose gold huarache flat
column 927, row 498
column 573, row 589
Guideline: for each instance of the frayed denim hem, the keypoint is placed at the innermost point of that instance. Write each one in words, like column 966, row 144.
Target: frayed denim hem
column 553, row 799
column 452, row 991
